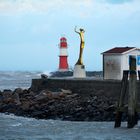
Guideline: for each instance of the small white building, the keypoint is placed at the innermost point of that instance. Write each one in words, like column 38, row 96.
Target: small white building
column 117, row 59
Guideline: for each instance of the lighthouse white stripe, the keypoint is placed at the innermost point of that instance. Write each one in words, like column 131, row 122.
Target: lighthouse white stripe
column 63, row 52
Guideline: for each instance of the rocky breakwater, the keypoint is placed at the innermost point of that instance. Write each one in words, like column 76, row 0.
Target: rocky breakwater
column 61, row 104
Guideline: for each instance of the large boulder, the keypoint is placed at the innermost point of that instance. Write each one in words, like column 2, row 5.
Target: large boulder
column 18, row 90
column 7, row 93
column 43, row 95
column 7, row 96
column 66, row 91
column 44, row 76
column 16, row 99
column 25, row 105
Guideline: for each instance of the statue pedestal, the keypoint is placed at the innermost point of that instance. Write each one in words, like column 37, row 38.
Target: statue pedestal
column 79, row 71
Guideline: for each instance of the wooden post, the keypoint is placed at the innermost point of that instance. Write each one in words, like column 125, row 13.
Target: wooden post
column 132, row 117
column 103, row 66
column 139, row 74
column 121, row 100
column 136, row 113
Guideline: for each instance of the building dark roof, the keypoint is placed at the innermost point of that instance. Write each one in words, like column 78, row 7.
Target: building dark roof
column 119, row 50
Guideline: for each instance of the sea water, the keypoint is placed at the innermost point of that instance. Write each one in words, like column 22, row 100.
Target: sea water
column 20, row 128
column 18, row 79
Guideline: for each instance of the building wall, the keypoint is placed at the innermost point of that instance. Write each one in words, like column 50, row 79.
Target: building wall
column 125, row 60
column 112, row 66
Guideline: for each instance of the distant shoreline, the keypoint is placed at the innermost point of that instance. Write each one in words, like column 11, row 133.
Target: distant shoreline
column 98, row 74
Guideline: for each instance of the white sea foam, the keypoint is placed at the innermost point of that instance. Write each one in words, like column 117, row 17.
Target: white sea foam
column 17, row 124
column 13, row 117
column 48, row 73
column 12, row 80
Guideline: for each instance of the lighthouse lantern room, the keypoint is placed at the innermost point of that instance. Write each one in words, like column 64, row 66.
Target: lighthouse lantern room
column 63, row 63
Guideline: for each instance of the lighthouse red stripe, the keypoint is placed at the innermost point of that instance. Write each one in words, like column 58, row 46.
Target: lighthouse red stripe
column 63, row 63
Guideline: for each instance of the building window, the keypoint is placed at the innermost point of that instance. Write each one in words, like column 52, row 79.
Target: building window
column 138, row 60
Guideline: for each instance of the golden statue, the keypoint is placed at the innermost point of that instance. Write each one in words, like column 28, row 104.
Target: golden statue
column 82, row 44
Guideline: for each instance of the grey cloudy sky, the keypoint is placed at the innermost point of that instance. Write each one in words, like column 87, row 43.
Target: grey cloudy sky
column 30, row 31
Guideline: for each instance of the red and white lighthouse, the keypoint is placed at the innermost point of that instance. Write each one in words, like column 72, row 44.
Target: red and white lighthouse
column 63, row 63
